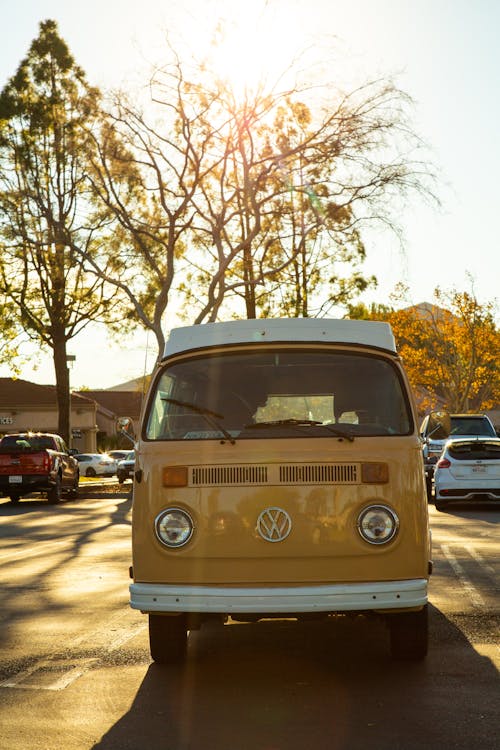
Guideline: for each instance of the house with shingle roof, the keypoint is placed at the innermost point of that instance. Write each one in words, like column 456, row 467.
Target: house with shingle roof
column 28, row 406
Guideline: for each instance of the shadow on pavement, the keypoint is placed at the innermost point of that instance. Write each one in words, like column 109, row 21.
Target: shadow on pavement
column 280, row 685
column 37, row 501
column 81, row 526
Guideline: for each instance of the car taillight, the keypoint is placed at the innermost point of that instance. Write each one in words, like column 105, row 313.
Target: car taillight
column 443, row 463
column 47, row 462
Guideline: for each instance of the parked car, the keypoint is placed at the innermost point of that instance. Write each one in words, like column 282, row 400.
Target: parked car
column 118, row 455
column 125, row 468
column 468, row 470
column 96, row 464
column 435, row 432
column 37, row 462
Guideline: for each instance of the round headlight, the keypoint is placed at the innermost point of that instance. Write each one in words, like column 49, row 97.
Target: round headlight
column 378, row 524
column 174, row 527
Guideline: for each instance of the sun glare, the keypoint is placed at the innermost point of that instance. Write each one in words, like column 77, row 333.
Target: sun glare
column 254, row 47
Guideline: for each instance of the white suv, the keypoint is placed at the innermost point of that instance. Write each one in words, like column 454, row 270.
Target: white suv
column 435, row 434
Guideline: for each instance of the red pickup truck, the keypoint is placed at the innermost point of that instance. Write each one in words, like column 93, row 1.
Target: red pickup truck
column 37, row 462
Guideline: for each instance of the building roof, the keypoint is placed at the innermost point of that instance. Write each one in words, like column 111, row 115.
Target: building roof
column 17, row 392
column 120, row 403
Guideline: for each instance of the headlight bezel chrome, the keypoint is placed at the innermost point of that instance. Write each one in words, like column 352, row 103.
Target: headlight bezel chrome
column 391, row 524
column 184, row 536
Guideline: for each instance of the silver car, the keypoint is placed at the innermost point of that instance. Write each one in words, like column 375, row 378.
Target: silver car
column 96, row 464
column 468, row 470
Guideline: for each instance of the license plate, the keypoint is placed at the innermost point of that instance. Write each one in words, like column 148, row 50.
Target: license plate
column 15, row 479
column 479, row 469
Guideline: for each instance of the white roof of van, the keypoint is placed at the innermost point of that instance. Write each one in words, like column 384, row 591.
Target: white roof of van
column 313, row 330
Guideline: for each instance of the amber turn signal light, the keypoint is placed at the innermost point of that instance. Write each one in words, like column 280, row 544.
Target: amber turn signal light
column 175, row 476
column 375, row 473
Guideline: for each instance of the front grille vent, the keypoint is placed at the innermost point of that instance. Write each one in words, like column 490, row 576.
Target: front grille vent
column 274, row 474
column 225, row 475
column 319, row 474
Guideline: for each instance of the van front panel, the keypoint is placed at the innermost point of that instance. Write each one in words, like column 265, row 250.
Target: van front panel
column 272, row 453
column 231, row 486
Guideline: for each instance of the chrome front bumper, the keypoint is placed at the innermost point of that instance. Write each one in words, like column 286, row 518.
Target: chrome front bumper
column 345, row 597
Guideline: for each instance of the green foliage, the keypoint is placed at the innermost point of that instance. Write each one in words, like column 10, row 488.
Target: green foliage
column 10, row 336
column 48, row 220
column 50, row 226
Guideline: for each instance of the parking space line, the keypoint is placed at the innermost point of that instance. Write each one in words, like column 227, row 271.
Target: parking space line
column 475, row 597
column 49, row 674
column 481, row 561
column 53, row 673
column 125, row 636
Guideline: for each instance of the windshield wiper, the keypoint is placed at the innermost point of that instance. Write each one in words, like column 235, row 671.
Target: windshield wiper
column 301, row 423
column 339, row 433
column 286, row 422
column 212, row 417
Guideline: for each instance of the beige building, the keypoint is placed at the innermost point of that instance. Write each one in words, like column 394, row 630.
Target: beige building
column 28, row 406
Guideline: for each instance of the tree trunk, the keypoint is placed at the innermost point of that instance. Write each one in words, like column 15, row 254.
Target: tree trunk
column 62, row 389
column 250, row 301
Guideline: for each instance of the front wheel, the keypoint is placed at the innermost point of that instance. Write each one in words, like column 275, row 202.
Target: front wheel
column 90, row 472
column 409, row 634
column 167, row 638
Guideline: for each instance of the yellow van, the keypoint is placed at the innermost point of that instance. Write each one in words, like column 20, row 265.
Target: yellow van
column 279, row 473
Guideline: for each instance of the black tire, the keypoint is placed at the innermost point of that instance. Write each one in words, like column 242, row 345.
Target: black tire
column 14, row 497
column 73, row 493
column 439, row 505
column 167, row 638
column 409, row 634
column 90, row 472
column 121, row 478
column 54, row 494
column 428, row 488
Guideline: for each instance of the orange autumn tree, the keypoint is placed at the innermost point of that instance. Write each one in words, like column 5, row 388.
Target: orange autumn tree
column 450, row 350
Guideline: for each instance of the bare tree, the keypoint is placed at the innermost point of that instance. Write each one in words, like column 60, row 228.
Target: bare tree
column 261, row 198
column 282, row 221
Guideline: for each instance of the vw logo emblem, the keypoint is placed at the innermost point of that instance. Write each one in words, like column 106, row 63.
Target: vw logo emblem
column 274, row 524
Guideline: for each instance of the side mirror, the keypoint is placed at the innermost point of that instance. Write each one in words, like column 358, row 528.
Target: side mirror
column 439, row 425
column 125, row 426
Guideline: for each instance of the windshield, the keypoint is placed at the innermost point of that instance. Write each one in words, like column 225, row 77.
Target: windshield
column 251, row 395
column 471, row 426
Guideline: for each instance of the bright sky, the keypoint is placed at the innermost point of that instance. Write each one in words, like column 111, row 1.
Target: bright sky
column 444, row 53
